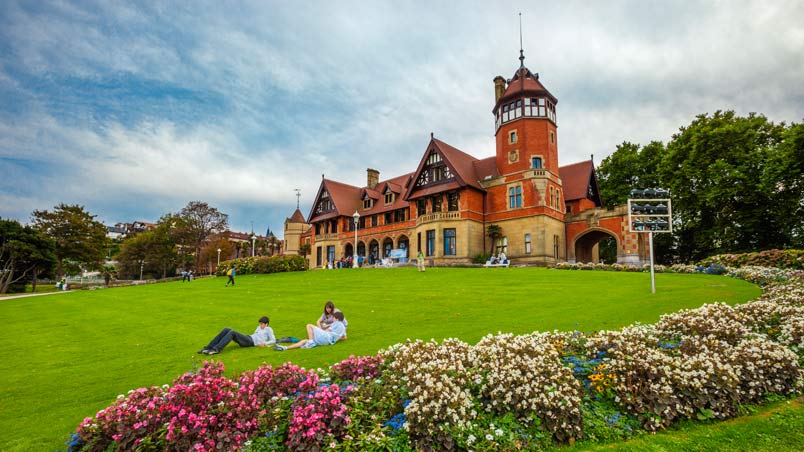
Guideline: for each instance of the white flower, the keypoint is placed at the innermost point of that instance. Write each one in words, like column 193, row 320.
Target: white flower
column 489, row 437
column 471, row 439
column 498, row 432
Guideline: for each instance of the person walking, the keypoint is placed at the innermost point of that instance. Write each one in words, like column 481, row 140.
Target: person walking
column 420, row 261
column 231, row 273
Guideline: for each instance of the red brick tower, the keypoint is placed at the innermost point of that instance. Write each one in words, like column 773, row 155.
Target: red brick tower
column 525, row 123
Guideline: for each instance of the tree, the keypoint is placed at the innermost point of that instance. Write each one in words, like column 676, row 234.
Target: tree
column 494, row 232
column 714, row 168
column 784, row 177
column 155, row 250
column 79, row 239
column 25, row 253
column 198, row 220
column 304, row 249
column 209, row 252
column 629, row 167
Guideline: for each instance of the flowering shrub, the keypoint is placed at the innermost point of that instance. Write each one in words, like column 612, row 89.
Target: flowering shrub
column 792, row 259
column 263, row 264
column 356, row 368
column 317, row 418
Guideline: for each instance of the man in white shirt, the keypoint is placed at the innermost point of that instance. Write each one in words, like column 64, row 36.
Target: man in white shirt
column 262, row 337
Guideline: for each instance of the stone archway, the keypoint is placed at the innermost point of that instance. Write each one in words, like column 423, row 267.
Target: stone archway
column 348, row 250
column 361, row 248
column 387, row 246
column 403, row 243
column 586, row 244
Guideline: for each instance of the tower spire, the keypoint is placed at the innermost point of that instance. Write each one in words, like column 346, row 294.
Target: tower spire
column 298, row 195
column 521, row 52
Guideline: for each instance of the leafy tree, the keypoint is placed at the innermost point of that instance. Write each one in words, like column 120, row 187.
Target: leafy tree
column 494, row 232
column 784, row 177
column 714, row 168
column 629, row 167
column 209, row 252
column 25, row 254
column 155, row 250
column 304, row 249
column 197, row 221
column 78, row 237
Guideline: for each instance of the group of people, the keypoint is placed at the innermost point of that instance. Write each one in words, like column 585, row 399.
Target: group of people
column 329, row 329
column 186, row 275
column 498, row 259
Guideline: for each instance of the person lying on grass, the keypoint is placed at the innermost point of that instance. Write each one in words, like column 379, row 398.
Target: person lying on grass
column 263, row 336
column 317, row 336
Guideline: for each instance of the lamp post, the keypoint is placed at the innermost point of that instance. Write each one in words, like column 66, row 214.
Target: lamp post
column 142, row 264
column 219, row 258
column 253, row 239
column 356, row 216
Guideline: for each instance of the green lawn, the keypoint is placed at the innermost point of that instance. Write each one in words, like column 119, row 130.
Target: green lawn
column 65, row 357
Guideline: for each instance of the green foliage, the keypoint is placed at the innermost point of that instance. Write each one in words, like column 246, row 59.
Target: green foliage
column 25, row 254
column 194, row 224
column 481, row 258
column 79, row 239
column 263, row 265
column 156, row 250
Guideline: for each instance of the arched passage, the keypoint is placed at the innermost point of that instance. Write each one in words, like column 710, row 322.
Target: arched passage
column 348, row 250
column 361, row 249
column 403, row 243
column 586, row 245
column 374, row 251
column 387, row 246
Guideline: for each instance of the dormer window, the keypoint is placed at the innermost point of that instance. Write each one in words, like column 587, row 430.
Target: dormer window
column 389, row 196
column 367, row 202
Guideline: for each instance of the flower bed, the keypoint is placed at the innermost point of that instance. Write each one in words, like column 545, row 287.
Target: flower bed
column 506, row 392
column 263, row 264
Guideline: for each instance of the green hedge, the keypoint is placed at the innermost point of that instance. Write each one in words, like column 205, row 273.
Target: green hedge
column 263, row 264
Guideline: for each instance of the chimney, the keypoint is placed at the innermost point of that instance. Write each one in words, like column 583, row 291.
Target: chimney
column 372, row 177
column 499, row 87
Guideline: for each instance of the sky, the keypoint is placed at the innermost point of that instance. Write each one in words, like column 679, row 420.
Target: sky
column 134, row 109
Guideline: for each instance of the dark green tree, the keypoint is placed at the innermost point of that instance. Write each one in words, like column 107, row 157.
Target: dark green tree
column 784, row 178
column 79, row 239
column 715, row 169
column 25, row 255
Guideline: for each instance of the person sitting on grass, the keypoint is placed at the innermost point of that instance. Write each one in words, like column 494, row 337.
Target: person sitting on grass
column 316, row 336
column 263, row 336
column 328, row 317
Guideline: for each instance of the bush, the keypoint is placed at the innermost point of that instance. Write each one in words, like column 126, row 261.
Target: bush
column 263, row 265
column 792, row 259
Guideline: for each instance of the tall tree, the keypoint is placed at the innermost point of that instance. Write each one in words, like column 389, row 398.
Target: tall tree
column 784, row 178
column 209, row 252
column 79, row 238
column 25, row 254
column 714, row 168
column 198, row 220
column 628, row 167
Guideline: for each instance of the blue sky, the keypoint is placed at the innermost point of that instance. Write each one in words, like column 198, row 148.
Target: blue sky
column 133, row 109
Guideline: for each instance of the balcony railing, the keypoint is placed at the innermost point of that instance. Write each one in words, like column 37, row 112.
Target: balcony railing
column 323, row 237
column 438, row 216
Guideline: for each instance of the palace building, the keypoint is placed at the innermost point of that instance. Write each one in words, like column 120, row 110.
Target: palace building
column 454, row 206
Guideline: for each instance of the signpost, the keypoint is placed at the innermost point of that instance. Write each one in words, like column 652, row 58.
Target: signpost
column 650, row 211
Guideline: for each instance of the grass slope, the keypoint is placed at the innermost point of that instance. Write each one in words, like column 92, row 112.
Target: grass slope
column 65, row 357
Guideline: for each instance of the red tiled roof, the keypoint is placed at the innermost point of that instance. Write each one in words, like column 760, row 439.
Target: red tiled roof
column 576, row 179
column 297, row 217
column 526, row 81
column 486, row 167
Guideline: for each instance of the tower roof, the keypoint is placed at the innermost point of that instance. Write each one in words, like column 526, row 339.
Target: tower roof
column 297, row 217
column 524, row 82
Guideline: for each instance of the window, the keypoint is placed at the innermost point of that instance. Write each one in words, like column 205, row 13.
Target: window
column 389, row 197
column 430, row 242
column 452, row 201
column 399, row 215
column 536, row 162
column 389, row 217
column 555, row 246
column 558, row 199
column 552, row 137
column 361, row 223
column 501, row 246
column 449, row 242
column 552, row 198
column 436, row 203
column 373, row 220
column 512, row 137
column 515, row 197
column 527, row 243
column 419, row 241
column 367, row 203
column 421, row 207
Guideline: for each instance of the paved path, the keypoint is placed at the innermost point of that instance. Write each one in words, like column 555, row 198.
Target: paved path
column 34, row 295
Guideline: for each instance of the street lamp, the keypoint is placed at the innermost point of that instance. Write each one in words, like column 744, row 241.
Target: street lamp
column 356, row 216
column 219, row 257
column 253, row 239
column 142, row 264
